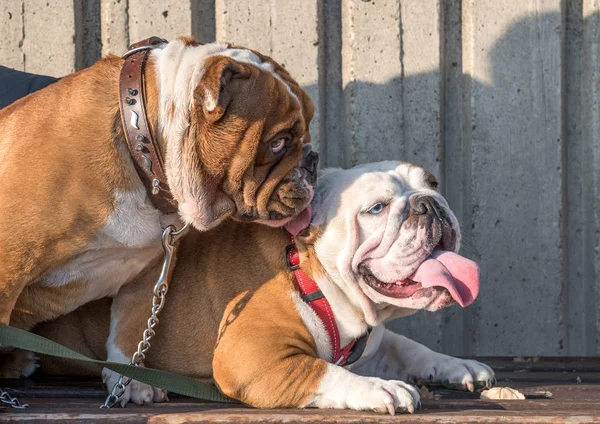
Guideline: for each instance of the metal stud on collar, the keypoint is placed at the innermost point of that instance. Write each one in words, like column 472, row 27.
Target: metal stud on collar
column 155, row 183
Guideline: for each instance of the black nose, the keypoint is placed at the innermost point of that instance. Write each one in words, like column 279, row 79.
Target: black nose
column 310, row 160
column 422, row 205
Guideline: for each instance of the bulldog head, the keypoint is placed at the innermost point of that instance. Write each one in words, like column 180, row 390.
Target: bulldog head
column 234, row 123
column 388, row 240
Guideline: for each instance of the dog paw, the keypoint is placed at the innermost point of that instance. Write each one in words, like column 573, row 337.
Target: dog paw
column 341, row 389
column 136, row 392
column 18, row 363
column 461, row 374
column 384, row 396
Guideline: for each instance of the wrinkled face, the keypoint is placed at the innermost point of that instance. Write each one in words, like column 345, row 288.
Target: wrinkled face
column 242, row 140
column 399, row 239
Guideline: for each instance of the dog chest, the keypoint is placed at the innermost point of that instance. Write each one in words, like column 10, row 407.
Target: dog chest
column 129, row 241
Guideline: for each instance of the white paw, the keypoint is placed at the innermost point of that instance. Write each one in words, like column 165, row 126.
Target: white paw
column 459, row 374
column 18, row 363
column 340, row 389
column 383, row 396
column 136, row 392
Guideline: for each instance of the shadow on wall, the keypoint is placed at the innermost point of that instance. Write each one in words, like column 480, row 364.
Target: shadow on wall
column 510, row 149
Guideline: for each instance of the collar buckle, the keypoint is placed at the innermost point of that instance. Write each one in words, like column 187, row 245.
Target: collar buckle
column 290, row 251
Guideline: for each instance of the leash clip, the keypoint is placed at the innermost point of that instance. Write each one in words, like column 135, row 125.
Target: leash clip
column 170, row 236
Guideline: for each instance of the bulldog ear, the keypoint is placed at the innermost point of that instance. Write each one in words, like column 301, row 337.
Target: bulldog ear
column 309, row 235
column 216, row 89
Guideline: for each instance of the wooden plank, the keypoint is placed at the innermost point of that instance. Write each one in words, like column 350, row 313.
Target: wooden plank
column 545, row 403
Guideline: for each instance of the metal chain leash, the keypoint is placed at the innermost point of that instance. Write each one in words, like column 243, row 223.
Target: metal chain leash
column 7, row 399
column 169, row 237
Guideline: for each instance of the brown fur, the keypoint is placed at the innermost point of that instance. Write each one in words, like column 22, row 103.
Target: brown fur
column 63, row 156
column 57, row 177
column 235, row 296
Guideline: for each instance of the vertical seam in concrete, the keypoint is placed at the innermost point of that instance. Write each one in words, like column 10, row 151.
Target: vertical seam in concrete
column 443, row 98
column 538, row 22
column 564, row 178
column 466, row 127
column 127, row 34
column 78, row 34
column 402, row 80
column 589, row 231
column 593, row 130
column 24, row 58
column 591, row 236
column 322, row 64
column 271, row 11
column 349, row 83
column 442, row 89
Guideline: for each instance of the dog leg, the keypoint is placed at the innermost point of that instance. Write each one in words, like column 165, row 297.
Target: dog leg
column 401, row 358
column 299, row 380
column 129, row 315
column 18, row 363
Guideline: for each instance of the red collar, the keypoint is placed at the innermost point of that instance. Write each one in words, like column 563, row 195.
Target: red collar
column 312, row 295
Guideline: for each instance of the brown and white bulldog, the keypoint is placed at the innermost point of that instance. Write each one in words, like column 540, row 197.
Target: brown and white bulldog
column 76, row 222
column 381, row 246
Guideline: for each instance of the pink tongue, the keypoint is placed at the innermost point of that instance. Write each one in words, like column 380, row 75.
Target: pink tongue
column 458, row 275
column 300, row 222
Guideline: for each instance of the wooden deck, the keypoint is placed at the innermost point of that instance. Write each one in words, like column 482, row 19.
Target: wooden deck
column 557, row 390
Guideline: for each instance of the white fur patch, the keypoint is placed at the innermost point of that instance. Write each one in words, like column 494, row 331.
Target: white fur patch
column 340, row 389
column 127, row 244
column 315, row 326
column 180, row 69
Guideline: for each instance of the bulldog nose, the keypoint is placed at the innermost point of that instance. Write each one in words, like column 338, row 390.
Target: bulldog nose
column 422, row 205
column 312, row 160
column 309, row 161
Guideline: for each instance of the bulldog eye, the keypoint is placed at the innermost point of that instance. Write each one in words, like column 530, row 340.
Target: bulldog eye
column 376, row 208
column 278, row 144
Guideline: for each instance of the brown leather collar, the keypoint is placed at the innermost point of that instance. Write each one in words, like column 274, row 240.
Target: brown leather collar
column 143, row 148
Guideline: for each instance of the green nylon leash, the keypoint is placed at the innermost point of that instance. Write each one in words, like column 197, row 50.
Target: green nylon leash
column 186, row 386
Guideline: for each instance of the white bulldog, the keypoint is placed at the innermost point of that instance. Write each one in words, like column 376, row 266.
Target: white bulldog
column 381, row 246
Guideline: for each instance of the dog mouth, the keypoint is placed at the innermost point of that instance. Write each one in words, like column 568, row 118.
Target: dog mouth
column 442, row 269
column 398, row 290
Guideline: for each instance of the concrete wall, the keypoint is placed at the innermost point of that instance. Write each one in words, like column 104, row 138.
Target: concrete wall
column 500, row 99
